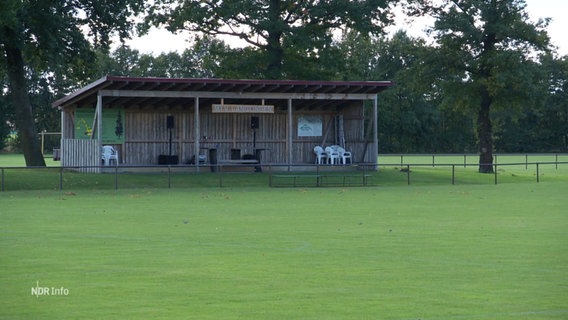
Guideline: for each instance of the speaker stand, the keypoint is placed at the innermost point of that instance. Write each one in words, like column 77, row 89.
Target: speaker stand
column 254, row 140
column 170, row 143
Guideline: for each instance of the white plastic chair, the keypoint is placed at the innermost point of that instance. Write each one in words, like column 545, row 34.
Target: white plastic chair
column 332, row 155
column 344, row 155
column 320, row 154
column 109, row 153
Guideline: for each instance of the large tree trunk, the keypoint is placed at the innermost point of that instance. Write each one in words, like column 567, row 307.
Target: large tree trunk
column 273, row 47
column 485, row 135
column 21, row 101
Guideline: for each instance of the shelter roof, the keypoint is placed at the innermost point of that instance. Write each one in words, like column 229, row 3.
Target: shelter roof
column 174, row 92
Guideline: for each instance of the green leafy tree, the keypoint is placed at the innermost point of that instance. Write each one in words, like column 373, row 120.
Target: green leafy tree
column 556, row 106
column 54, row 39
column 202, row 60
column 541, row 126
column 4, row 118
column 485, row 49
column 410, row 118
column 283, row 32
column 5, row 108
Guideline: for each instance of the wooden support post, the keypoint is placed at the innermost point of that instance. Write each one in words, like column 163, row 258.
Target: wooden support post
column 374, row 151
column 289, row 142
column 196, row 134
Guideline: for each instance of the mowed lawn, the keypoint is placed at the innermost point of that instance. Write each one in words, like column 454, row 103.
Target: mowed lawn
column 470, row 251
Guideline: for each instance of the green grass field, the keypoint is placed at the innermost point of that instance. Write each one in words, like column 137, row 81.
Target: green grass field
column 431, row 250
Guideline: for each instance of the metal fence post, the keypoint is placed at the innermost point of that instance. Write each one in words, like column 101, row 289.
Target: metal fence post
column 537, row 173
column 453, row 173
column 526, row 161
column 116, row 178
column 169, row 177
column 269, row 175
column 61, row 178
column 221, row 176
column 2, row 179
column 408, row 174
column 495, row 173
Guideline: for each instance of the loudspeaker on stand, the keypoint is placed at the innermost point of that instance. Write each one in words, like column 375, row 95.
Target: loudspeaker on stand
column 254, row 123
column 170, row 122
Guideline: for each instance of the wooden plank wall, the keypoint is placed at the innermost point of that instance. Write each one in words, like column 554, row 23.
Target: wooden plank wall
column 68, row 125
column 147, row 136
column 80, row 152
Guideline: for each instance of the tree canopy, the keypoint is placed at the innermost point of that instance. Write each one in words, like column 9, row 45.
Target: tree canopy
column 485, row 48
column 285, row 30
column 489, row 82
column 55, row 40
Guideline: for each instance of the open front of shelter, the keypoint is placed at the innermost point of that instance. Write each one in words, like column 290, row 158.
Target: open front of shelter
column 165, row 121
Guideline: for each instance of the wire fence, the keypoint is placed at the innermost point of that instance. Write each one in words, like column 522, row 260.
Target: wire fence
column 506, row 167
column 505, row 172
column 469, row 159
column 166, row 176
column 392, row 170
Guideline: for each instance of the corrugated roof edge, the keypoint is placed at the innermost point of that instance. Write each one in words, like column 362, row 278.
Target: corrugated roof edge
column 108, row 80
column 243, row 81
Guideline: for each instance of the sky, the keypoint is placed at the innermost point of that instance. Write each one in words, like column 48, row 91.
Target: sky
column 160, row 40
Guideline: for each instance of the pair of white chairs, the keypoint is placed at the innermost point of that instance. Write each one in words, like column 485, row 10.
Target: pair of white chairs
column 332, row 155
column 337, row 154
column 108, row 154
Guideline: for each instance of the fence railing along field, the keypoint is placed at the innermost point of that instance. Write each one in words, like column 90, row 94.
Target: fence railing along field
column 470, row 159
column 397, row 169
column 170, row 176
column 505, row 165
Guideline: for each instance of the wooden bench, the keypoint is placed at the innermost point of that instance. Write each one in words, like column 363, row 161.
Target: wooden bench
column 240, row 165
column 240, row 161
column 318, row 180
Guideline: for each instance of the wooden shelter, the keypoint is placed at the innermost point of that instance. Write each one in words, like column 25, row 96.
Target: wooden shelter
column 156, row 120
